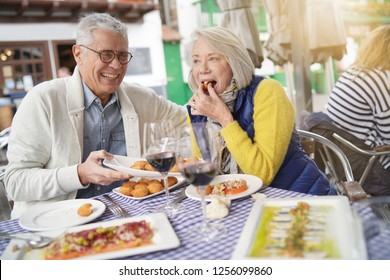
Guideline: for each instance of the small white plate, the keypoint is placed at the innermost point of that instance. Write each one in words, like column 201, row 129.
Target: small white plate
column 57, row 215
column 254, row 184
column 126, row 162
column 180, row 180
column 164, row 238
column 343, row 228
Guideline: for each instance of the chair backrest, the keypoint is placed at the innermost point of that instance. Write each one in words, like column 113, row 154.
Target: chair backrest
column 367, row 169
column 324, row 152
column 372, row 154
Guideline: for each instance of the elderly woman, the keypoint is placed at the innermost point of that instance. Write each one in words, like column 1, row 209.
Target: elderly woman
column 253, row 114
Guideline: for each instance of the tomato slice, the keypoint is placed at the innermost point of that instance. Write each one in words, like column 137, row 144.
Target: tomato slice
column 236, row 190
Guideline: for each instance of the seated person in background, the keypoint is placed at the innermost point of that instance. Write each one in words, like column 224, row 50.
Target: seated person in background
column 64, row 128
column 360, row 103
column 252, row 113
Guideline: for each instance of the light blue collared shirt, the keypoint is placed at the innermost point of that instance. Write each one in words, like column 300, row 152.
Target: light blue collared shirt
column 103, row 130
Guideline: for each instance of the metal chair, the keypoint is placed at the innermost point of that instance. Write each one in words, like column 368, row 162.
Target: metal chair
column 366, row 167
column 372, row 154
column 317, row 145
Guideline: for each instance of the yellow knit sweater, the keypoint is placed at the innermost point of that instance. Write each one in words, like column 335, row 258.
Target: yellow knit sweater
column 273, row 125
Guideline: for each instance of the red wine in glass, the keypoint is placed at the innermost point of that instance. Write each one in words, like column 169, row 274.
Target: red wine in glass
column 199, row 174
column 163, row 162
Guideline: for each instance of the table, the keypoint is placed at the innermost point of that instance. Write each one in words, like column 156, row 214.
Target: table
column 378, row 244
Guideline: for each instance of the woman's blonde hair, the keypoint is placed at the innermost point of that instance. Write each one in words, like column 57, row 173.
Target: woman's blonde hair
column 224, row 42
column 374, row 51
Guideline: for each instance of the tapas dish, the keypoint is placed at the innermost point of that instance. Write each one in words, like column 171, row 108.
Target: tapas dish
column 143, row 188
column 231, row 186
column 104, row 240
column 301, row 228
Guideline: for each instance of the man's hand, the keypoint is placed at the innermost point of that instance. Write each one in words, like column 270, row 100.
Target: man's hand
column 92, row 171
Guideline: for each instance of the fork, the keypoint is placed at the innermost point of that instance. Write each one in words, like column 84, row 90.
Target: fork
column 115, row 208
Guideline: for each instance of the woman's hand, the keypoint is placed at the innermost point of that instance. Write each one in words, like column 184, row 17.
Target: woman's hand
column 92, row 171
column 210, row 105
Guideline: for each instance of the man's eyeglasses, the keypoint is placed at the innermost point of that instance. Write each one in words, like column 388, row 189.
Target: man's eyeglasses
column 107, row 56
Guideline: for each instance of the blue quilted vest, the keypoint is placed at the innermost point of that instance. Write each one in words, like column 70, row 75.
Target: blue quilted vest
column 298, row 171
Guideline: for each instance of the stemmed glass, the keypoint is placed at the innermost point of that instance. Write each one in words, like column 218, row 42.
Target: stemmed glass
column 200, row 173
column 159, row 145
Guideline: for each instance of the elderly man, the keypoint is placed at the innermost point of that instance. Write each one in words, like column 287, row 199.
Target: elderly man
column 64, row 128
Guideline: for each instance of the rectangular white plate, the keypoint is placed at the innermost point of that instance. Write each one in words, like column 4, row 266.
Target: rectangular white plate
column 164, row 238
column 126, row 162
column 180, row 180
column 345, row 229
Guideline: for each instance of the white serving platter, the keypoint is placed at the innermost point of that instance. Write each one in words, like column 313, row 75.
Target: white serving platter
column 123, row 163
column 180, row 181
column 164, row 238
column 344, row 227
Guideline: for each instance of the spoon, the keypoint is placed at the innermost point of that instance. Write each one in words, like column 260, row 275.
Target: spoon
column 33, row 241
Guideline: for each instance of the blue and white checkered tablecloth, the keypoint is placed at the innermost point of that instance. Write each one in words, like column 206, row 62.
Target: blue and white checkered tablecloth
column 378, row 245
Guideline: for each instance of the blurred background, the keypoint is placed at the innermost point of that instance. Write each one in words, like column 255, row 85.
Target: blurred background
column 305, row 44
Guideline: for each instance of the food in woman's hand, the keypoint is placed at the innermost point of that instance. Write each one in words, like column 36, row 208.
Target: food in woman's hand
column 205, row 86
column 144, row 186
column 99, row 240
column 85, row 210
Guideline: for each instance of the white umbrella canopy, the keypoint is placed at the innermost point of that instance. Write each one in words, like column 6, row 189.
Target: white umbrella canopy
column 278, row 45
column 238, row 17
column 326, row 32
column 326, row 36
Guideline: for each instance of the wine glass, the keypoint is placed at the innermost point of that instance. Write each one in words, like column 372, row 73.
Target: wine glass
column 200, row 172
column 160, row 151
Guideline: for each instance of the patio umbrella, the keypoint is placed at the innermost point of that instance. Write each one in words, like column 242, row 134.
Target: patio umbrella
column 326, row 36
column 278, row 45
column 238, row 17
column 326, row 32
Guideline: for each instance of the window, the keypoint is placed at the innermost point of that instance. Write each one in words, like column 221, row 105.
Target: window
column 141, row 63
column 23, row 65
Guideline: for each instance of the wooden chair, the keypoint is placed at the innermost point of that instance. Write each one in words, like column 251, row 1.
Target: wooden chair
column 328, row 152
